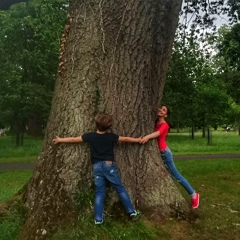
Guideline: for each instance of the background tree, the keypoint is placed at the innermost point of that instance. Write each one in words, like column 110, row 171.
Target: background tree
column 213, row 100
column 180, row 91
column 192, row 73
column 228, row 47
column 195, row 88
column 30, row 39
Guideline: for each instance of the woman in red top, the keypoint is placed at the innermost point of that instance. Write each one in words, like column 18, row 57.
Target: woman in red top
column 161, row 132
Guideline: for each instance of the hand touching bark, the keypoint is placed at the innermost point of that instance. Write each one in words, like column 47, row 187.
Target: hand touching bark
column 56, row 140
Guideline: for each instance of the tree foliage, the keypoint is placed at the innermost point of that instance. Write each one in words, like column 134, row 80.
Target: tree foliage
column 6, row 4
column 29, row 43
column 195, row 88
column 228, row 47
column 179, row 92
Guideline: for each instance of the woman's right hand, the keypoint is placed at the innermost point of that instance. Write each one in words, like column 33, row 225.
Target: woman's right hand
column 144, row 140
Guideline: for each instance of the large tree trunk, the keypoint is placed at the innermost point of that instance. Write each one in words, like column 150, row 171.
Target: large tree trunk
column 114, row 57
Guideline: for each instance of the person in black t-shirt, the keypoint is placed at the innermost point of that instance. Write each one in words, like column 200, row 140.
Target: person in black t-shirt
column 101, row 145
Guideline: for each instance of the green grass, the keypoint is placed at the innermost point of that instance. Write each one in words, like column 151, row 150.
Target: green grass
column 180, row 143
column 9, row 228
column 219, row 212
column 9, row 153
column 219, row 185
column 222, row 142
column 110, row 230
column 217, row 180
column 11, row 182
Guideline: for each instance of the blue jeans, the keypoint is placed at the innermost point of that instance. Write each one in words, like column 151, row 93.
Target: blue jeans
column 103, row 172
column 168, row 161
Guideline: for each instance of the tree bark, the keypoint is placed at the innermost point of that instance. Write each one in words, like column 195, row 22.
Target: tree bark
column 114, row 58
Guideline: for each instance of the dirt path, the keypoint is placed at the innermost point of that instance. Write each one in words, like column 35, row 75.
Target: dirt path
column 16, row 166
column 31, row 166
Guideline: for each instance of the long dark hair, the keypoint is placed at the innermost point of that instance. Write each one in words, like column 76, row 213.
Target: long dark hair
column 168, row 110
column 168, row 113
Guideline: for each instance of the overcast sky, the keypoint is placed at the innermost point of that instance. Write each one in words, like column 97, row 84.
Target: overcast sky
column 220, row 20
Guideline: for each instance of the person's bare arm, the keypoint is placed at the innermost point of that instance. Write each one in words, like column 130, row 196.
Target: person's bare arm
column 129, row 139
column 67, row 140
column 150, row 136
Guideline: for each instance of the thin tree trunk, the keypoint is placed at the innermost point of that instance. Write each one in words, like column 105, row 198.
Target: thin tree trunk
column 178, row 128
column 34, row 125
column 209, row 137
column 19, row 129
column 192, row 130
column 203, row 127
column 239, row 126
column 114, row 57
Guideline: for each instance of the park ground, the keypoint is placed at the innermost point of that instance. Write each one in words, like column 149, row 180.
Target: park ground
column 212, row 170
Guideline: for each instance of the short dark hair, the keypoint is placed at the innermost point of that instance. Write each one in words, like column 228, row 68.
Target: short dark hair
column 103, row 121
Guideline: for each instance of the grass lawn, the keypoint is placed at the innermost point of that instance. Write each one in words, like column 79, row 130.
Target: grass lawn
column 180, row 143
column 9, row 153
column 11, row 182
column 221, row 142
column 217, row 180
column 219, row 185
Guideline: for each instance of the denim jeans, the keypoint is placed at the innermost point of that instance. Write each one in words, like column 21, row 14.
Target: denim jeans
column 168, row 161
column 103, row 172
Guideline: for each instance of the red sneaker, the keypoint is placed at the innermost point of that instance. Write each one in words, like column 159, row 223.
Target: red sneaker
column 195, row 201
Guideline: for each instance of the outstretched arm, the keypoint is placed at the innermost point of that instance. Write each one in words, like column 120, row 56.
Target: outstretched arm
column 67, row 140
column 129, row 139
column 150, row 136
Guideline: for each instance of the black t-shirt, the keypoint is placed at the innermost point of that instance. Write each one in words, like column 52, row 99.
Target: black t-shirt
column 101, row 145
